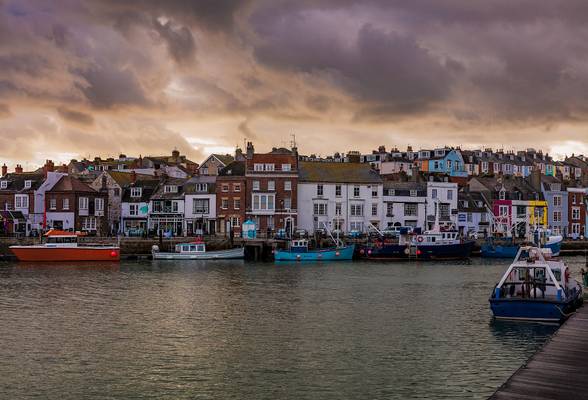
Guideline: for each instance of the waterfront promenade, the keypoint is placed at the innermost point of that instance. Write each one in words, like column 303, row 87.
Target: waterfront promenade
column 556, row 371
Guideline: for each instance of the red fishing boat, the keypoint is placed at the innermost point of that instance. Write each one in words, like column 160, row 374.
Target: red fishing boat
column 64, row 246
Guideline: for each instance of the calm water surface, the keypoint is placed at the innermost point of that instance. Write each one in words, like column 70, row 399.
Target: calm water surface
column 222, row 330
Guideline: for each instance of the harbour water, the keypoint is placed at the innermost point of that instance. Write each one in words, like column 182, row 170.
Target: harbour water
column 235, row 330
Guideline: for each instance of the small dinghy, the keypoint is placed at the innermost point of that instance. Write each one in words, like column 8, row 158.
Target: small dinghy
column 197, row 251
column 536, row 287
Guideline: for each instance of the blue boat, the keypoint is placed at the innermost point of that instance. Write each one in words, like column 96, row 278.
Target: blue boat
column 536, row 288
column 299, row 251
column 507, row 248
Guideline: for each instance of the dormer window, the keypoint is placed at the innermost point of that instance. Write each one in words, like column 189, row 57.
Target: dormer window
column 171, row 189
column 3, row 184
column 502, row 194
column 27, row 184
column 136, row 192
column 201, row 187
column 413, row 193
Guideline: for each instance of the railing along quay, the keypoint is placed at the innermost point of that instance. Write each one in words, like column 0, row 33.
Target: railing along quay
column 558, row 370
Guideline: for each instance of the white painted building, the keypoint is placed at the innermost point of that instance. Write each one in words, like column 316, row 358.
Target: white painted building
column 405, row 204
column 344, row 196
column 200, row 209
column 441, row 198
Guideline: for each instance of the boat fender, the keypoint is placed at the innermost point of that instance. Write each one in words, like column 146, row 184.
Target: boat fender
column 362, row 252
column 298, row 256
column 337, row 254
column 420, row 239
column 369, row 252
column 113, row 253
column 155, row 248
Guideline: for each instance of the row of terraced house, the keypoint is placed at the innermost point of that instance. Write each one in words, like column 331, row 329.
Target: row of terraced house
column 478, row 191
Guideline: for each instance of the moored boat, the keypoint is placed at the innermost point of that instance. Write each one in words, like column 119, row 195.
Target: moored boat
column 536, row 288
column 299, row 251
column 64, row 246
column 508, row 248
column 197, row 251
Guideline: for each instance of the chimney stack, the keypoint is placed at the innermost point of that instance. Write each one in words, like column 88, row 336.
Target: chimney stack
column 4, row 170
column 239, row 154
column 250, row 150
column 48, row 167
column 18, row 169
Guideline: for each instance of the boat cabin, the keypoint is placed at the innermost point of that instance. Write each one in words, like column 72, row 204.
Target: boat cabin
column 197, row 247
column 533, row 275
column 299, row 246
column 436, row 238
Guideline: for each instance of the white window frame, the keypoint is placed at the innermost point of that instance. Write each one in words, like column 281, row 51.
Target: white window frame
column 271, row 185
column 136, row 192
column 288, row 186
column 65, row 204
column 286, row 167
column 255, row 185
column 83, row 203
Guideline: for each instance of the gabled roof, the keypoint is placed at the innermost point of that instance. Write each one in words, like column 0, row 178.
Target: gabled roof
column 125, row 178
column 223, row 158
column 70, row 184
column 337, row 172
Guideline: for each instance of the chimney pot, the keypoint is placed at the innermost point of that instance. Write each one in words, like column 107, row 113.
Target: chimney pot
column 4, row 170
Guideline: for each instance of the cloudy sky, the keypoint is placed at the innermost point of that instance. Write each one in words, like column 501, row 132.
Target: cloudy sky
column 85, row 78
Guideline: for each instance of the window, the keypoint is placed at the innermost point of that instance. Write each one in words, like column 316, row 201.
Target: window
column 337, row 208
column 287, row 203
column 444, row 211
column 157, row 206
column 174, row 206
column 434, row 193
column 269, row 167
column 374, row 209
column 485, row 166
column 225, row 187
column 236, row 187
column 83, row 203
column 65, row 204
column 202, row 187
column 27, row 184
column 170, row 189
column 576, row 213
column 356, row 226
column 450, row 194
column 557, row 201
column 98, row 206
column 271, row 185
column 263, row 202
column 258, row 167
column 133, row 209
column 389, row 209
column 338, row 224
column 521, row 212
column 338, row 190
column 136, row 192
column 319, row 190
column 320, row 209
column 557, row 216
column 224, row 203
column 235, row 222
column 255, row 185
column 502, row 194
column 89, row 224
column 3, row 184
column 413, row 193
column 116, row 192
column 503, row 211
column 374, row 191
column 470, row 217
column 286, row 167
column 236, row 204
column 356, row 191
column 287, row 186
column 356, row 210
column 576, row 229
column 200, row 206
column 21, row 201
column 411, row 210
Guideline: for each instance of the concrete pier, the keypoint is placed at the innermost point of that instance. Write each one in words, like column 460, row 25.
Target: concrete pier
column 557, row 371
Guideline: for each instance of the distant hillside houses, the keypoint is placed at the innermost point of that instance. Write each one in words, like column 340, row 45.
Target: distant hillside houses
column 478, row 191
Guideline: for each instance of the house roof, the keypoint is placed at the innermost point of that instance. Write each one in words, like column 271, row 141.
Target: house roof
column 160, row 193
column 224, row 158
column 191, row 185
column 125, row 178
column 337, row 172
column 235, row 168
column 148, row 187
column 399, row 185
column 16, row 182
column 70, row 184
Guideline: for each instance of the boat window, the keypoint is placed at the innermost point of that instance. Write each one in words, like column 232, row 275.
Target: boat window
column 193, row 247
column 186, row 247
column 200, row 247
column 522, row 273
column 539, row 273
column 433, row 239
column 557, row 274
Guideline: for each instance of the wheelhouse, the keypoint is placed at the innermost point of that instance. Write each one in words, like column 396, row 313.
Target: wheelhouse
column 190, row 248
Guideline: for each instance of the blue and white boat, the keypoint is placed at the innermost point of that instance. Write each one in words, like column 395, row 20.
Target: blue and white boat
column 299, row 251
column 536, row 288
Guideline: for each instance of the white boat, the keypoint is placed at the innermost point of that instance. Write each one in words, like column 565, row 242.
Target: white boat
column 197, row 251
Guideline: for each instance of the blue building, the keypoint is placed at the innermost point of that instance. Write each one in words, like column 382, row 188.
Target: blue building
column 446, row 161
column 557, row 204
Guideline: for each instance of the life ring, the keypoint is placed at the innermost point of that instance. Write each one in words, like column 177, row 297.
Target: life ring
column 420, row 239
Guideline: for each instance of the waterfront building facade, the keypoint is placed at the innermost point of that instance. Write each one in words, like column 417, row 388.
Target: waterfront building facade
column 231, row 198
column 405, row 204
column 200, row 209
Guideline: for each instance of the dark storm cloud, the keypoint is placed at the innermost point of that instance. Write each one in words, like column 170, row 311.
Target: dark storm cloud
column 180, row 42
column 109, row 86
column 75, row 116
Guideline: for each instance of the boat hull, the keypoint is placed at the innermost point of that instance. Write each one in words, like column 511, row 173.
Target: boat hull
column 85, row 253
column 422, row 252
column 232, row 254
column 533, row 309
column 499, row 251
column 343, row 253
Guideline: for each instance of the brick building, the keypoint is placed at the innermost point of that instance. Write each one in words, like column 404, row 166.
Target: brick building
column 272, row 180
column 231, row 198
column 576, row 212
column 73, row 205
